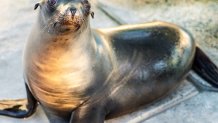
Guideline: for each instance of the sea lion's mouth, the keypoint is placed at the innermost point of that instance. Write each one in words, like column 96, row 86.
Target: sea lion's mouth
column 67, row 26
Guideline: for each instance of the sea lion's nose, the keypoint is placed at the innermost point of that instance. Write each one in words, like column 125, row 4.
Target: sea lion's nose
column 73, row 11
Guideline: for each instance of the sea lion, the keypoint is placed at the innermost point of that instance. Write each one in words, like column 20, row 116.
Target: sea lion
column 80, row 75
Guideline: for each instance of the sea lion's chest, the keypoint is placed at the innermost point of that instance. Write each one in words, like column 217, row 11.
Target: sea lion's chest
column 59, row 78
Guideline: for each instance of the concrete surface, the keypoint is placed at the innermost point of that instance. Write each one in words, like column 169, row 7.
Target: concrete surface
column 199, row 17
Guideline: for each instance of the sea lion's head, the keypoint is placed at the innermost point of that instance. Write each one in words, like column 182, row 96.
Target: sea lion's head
column 63, row 16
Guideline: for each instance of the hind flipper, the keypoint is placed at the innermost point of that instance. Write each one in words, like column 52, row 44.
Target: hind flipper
column 20, row 108
column 199, row 83
column 89, row 114
column 205, row 68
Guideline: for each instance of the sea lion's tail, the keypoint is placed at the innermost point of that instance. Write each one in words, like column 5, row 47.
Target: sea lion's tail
column 20, row 108
column 206, row 69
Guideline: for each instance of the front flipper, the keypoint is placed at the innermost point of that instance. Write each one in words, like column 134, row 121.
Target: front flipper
column 20, row 108
column 89, row 114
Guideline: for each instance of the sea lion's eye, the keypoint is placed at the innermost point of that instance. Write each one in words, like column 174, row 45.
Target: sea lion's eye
column 52, row 2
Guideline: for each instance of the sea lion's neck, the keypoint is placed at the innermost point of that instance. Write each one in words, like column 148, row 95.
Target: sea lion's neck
column 78, row 41
column 60, row 49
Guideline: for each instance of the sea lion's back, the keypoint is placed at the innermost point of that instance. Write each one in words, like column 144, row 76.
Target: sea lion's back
column 156, row 41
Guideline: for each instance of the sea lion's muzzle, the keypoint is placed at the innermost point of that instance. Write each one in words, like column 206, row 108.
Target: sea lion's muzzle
column 71, row 16
column 69, row 20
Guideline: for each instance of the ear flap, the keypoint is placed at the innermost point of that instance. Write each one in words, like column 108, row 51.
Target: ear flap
column 92, row 14
column 36, row 6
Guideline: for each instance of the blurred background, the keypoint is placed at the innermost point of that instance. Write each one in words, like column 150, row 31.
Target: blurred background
column 199, row 17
